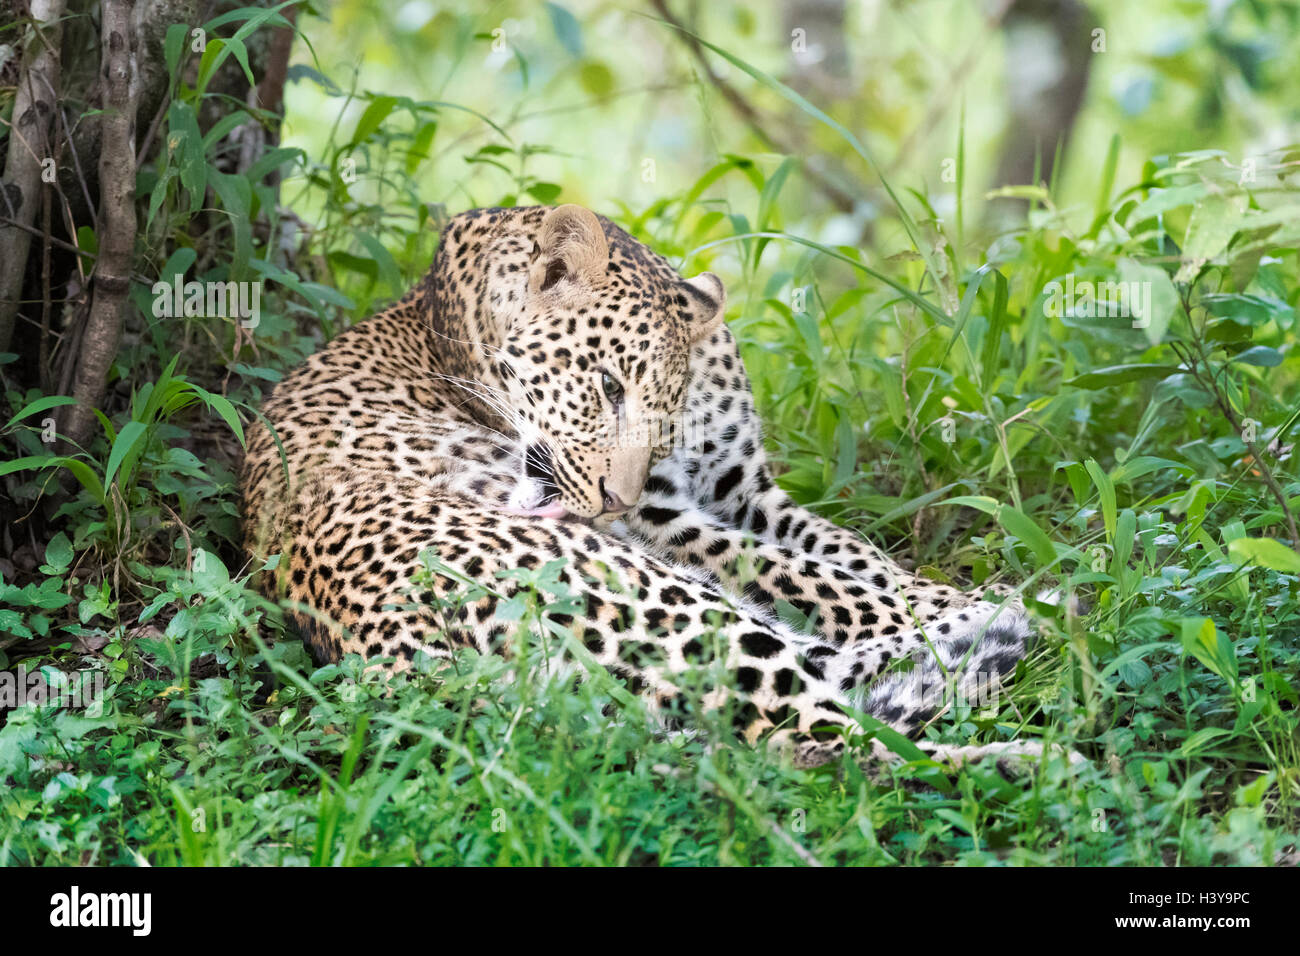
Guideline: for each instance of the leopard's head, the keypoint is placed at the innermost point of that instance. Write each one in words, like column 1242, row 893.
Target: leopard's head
column 593, row 360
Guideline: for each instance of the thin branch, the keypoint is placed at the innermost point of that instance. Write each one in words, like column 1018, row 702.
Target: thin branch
column 69, row 247
column 842, row 200
column 1194, row 363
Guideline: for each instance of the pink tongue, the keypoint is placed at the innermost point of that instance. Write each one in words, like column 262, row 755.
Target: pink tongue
column 552, row 510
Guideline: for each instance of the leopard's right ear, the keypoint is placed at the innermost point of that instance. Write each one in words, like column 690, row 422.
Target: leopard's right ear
column 706, row 305
column 570, row 246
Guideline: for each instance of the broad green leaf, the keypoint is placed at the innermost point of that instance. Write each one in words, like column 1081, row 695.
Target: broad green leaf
column 213, row 55
column 178, row 263
column 58, row 554
column 80, row 470
column 219, row 49
column 420, row 146
column 1125, row 531
column 237, row 47
column 273, row 159
column 174, row 46
column 1261, row 355
column 1077, row 476
column 1133, row 468
column 130, row 435
column 1119, row 374
column 1211, row 647
column 1106, row 489
column 236, row 195
column 375, row 113
column 1163, row 200
column 982, row 502
column 185, row 152
column 1265, row 553
column 209, row 571
column 1211, row 225
column 544, row 193
column 223, row 128
column 1026, row 529
column 1157, row 299
column 228, row 414
column 41, row 405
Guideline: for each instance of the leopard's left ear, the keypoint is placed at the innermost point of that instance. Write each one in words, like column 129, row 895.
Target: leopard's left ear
column 706, row 304
column 570, row 246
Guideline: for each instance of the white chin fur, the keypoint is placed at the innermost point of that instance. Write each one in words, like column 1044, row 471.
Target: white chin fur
column 528, row 494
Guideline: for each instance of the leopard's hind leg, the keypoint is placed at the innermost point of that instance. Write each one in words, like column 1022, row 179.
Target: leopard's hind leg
column 963, row 657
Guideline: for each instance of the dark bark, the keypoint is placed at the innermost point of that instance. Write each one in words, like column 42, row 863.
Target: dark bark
column 29, row 148
column 1041, row 110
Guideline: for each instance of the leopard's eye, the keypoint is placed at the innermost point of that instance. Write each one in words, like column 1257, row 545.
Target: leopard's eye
column 613, row 390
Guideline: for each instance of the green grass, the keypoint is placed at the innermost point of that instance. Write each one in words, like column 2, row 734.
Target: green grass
column 936, row 403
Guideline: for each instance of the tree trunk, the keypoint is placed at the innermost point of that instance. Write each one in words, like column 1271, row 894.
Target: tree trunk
column 29, row 150
column 1044, row 94
column 116, row 223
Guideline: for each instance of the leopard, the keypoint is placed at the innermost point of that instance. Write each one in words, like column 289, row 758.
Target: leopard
column 554, row 394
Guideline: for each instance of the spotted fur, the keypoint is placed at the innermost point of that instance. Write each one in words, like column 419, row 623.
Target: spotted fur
column 553, row 389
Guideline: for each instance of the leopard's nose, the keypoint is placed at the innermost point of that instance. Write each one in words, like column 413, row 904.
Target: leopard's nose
column 612, row 502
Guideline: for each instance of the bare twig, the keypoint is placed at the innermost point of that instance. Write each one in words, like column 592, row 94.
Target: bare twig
column 71, row 143
column 32, row 230
column 43, row 372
